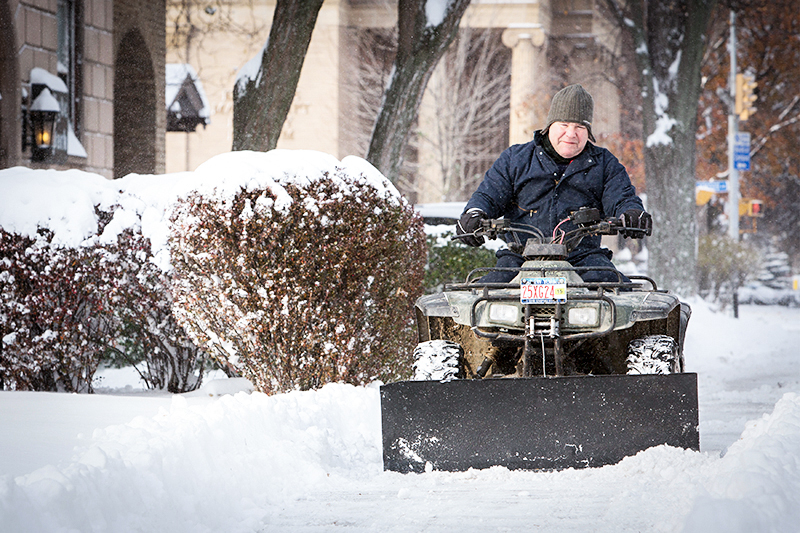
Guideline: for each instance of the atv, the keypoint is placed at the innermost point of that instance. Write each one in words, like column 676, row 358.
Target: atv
column 547, row 371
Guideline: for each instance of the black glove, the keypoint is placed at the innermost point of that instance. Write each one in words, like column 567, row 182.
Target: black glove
column 637, row 219
column 469, row 222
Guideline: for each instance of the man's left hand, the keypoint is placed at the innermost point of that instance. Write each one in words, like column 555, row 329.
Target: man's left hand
column 637, row 219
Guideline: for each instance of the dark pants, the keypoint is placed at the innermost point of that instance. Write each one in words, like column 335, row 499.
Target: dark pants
column 596, row 258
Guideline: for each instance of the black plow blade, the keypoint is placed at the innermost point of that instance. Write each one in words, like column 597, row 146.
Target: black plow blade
column 535, row 423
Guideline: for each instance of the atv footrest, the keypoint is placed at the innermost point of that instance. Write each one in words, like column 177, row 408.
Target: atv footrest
column 535, row 423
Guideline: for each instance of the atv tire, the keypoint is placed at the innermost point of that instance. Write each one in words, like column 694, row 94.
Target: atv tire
column 438, row 360
column 656, row 354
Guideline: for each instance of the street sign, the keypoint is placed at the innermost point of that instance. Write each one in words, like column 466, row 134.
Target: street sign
column 741, row 151
column 717, row 186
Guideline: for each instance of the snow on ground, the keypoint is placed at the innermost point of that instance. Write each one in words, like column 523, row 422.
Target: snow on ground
column 131, row 460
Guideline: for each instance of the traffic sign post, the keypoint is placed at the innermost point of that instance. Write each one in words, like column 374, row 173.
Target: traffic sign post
column 733, row 130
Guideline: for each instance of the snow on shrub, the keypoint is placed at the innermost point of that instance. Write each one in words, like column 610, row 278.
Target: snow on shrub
column 79, row 281
column 64, row 308
column 52, row 314
column 146, row 335
column 304, row 279
column 99, row 249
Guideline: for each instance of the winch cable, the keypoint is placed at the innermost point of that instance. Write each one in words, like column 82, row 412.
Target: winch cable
column 544, row 367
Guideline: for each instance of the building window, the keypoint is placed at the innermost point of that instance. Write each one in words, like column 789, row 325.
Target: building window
column 70, row 58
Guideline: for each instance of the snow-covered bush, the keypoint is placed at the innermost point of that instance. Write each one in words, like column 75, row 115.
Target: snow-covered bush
column 53, row 314
column 776, row 270
column 773, row 284
column 65, row 309
column 757, row 294
column 307, row 281
column 146, row 335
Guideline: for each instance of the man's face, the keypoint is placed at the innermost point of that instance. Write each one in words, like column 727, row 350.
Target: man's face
column 568, row 138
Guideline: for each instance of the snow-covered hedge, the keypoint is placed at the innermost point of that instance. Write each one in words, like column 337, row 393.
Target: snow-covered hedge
column 64, row 308
column 52, row 314
column 86, row 269
column 303, row 278
column 144, row 332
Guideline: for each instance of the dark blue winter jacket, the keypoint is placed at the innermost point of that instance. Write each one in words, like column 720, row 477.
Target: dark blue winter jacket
column 524, row 186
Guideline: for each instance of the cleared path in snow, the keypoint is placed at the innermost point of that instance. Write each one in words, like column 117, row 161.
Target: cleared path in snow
column 745, row 366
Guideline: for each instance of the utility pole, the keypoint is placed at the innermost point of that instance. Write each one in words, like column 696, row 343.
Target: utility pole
column 733, row 129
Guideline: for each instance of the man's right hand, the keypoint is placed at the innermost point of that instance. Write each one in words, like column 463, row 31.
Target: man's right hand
column 469, row 222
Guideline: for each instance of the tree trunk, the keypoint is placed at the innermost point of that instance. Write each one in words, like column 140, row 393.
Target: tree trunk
column 261, row 103
column 669, row 38
column 421, row 43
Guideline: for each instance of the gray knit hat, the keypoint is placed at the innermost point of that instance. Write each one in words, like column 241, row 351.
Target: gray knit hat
column 572, row 104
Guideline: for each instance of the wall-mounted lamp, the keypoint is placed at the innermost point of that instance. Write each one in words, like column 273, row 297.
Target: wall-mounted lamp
column 43, row 113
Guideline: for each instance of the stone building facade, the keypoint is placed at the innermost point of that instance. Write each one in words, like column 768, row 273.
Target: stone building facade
column 103, row 62
column 549, row 43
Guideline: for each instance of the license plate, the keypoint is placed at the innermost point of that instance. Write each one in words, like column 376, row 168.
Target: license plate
column 543, row 290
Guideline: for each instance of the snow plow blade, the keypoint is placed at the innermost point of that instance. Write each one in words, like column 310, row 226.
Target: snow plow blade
column 535, row 423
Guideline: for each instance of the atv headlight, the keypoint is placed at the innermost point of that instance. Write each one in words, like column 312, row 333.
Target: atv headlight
column 507, row 314
column 583, row 316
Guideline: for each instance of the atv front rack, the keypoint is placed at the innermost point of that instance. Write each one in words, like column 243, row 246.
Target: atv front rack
column 470, row 283
column 541, row 327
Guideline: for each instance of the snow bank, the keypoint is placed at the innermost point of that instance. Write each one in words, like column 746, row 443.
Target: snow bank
column 756, row 486
column 246, row 462
column 216, row 465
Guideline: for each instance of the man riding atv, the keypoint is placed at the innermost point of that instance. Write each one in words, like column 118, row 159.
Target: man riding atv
column 540, row 183
column 553, row 359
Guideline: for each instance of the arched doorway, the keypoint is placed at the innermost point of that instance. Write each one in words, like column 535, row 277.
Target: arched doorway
column 10, row 96
column 134, row 108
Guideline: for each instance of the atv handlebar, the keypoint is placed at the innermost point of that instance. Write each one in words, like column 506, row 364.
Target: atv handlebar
column 587, row 220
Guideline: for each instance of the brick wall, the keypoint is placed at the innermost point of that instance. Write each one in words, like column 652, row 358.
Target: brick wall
column 98, row 86
column 10, row 90
column 30, row 39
